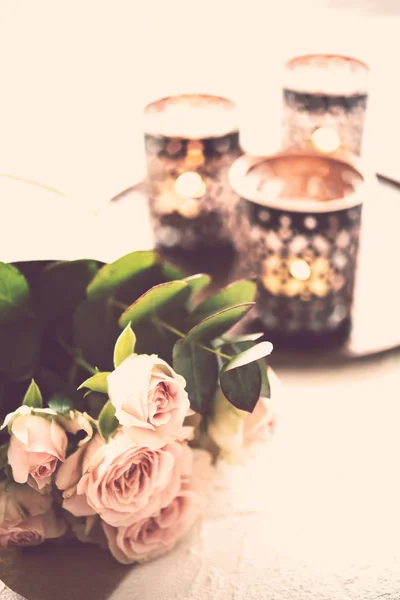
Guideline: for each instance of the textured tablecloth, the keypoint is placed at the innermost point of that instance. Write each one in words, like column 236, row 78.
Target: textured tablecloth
column 315, row 516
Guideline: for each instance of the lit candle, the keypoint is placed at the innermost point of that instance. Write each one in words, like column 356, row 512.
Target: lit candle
column 325, row 140
column 191, row 142
column 297, row 231
column 325, row 99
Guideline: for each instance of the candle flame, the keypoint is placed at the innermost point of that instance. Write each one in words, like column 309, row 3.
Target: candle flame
column 325, row 140
column 300, row 269
column 190, row 185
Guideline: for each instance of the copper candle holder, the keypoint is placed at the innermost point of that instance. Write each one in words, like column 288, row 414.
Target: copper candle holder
column 191, row 141
column 298, row 231
column 325, row 101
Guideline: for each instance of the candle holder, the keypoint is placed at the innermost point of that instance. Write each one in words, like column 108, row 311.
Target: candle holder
column 298, row 232
column 325, row 101
column 191, row 142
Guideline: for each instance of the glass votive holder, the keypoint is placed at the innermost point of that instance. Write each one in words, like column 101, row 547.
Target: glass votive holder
column 298, row 232
column 191, row 142
column 324, row 103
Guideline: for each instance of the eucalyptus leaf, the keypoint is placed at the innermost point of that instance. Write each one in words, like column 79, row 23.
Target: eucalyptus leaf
column 96, row 383
column 235, row 348
column 33, row 397
column 200, row 370
column 62, row 286
column 108, row 422
column 252, row 354
column 19, row 348
column 170, row 272
column 157, row 299
column 265, row 385
column 238, row 292
column 14, row 294
column 111, row 276
column 217, row 324
column 198, row 282
column 247, row 337
column 95, row 329
column 242, row 386
column 60, row 403
column 124, row 346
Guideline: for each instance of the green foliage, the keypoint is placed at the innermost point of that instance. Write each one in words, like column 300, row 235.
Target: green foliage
column 14, row 294
column 62, row 320
column 110, row 277
column 33, row 397
column 108, row 422
column 124, row 346
column 155, row 302
column 200, row 370
column 60, row 403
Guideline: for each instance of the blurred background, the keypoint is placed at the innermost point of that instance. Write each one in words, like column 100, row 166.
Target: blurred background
column 75, row 74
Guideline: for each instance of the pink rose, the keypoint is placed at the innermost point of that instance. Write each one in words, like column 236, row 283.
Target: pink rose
column 234, row 430
column 26, row 517
column 148, row 396
column 120, row 481
column 157, row 534
column 37, row 445
column 33, row 531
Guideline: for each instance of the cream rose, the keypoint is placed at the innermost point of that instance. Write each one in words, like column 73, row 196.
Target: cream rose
column 37, row 444
column 155, row 535
column 235, row 431
column 148, row 395
column 120, row 481
column 26, row 516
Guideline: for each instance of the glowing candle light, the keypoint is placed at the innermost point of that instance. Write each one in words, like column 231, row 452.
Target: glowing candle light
column 326, row 140
column 191, row 140
column 300, row 269
column 190, row 185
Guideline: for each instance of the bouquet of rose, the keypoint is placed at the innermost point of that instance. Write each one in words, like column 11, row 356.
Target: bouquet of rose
column 120, row 387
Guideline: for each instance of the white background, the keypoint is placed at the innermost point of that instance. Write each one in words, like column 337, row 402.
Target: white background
column 75, row 74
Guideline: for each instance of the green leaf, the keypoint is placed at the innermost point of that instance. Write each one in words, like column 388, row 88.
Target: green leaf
column 219, row 323
column 60, row 403
column 198, row 282
column 111, row 276
column 124, row 346
column 96, row 383
column 19, row 348
column 238, row 292
column 157, row 299
column 14, row 294
column 95, row 329
column 62, row 286
column 236, row 348
column 242, row 386
column 170, row 272
column 3, row 455
column 265, row 385
column 33, row 397
column 200, row 369
column 108, row 422
column 247, row 337
column 252, row 354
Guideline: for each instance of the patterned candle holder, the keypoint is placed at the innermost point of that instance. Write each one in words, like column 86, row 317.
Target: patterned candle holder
column 298, row 231
column 325, row 101
column 191, row 142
